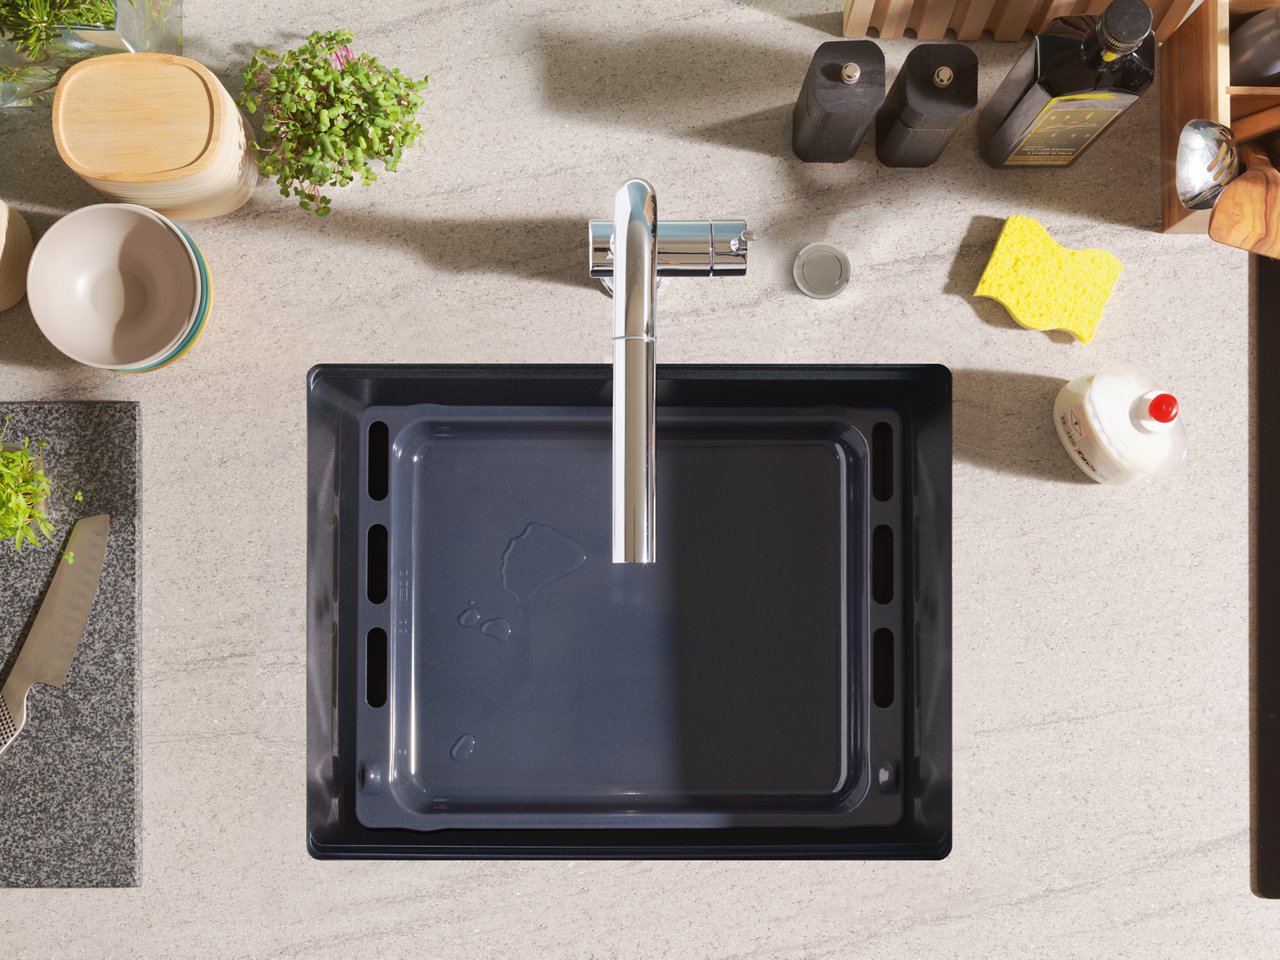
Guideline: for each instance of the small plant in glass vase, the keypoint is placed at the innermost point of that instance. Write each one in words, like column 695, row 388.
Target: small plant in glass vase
column 25, row 491
column 34, row 25
column 328, row 116
column 39, row 39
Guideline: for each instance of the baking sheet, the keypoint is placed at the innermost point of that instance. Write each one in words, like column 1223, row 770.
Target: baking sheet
column 536, row 683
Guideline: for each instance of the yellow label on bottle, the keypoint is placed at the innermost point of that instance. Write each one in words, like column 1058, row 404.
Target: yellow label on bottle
column 1063, row 128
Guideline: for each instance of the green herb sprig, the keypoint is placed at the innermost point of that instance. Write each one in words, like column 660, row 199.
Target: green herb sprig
column 33, row 25
column 24, row 488
column 328, row 115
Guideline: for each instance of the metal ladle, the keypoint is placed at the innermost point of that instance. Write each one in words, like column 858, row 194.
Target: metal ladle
column 1207, row 162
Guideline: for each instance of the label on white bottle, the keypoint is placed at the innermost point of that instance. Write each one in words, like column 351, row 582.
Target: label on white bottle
column 1086, row 446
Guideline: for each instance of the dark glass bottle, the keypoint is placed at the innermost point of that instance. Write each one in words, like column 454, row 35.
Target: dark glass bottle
column 1074, row 79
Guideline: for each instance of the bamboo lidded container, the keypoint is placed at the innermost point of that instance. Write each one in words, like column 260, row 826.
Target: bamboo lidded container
column 156, row 130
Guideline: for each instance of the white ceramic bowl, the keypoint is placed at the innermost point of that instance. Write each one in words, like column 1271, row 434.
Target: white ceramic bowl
column 113, row 285
column 201, row 299
column 198, row 320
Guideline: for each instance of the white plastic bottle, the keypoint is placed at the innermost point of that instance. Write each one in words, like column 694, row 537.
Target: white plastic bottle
column 1119, row 425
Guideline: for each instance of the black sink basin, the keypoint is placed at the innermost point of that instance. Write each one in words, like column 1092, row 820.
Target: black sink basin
column 484, row 682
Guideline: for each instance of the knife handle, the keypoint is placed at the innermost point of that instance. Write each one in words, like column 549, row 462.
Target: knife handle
column 13, row 712
column 13, row 702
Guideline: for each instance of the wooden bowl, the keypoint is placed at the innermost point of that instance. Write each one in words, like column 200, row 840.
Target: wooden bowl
column 15, row 255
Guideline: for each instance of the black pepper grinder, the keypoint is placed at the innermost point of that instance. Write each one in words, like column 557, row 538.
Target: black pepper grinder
column 838, row 101
column 936, row 89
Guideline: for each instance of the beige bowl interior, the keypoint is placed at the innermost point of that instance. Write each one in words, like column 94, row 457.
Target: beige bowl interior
column 111, row 286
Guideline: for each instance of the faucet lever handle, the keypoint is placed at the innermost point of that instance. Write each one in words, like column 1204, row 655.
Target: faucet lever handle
column 686, row 248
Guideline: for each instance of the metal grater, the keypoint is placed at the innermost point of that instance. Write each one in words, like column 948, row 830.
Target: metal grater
column 55, row 634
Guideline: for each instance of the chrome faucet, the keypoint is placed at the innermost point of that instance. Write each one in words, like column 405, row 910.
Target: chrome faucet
column 629, row 255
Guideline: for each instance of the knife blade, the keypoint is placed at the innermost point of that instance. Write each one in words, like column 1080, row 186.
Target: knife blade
column 54, row 637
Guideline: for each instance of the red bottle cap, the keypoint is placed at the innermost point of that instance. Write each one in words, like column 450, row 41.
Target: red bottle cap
column 1163, row 408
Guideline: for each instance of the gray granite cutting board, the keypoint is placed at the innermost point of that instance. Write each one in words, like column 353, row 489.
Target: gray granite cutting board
column 69, row 783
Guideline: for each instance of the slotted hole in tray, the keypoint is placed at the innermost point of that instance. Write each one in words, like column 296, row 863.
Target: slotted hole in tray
column 882, row 461
column 882, row 668
column 882, row 564
column 376, row 566
column 375, row 668
column 378, row 464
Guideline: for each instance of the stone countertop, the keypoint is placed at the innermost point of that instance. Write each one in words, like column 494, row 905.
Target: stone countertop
column 1101, row 635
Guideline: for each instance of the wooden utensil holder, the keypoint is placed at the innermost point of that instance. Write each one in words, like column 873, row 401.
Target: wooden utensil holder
column 1195, row 81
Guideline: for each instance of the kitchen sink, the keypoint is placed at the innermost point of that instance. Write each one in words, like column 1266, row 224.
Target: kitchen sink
column 484, row 682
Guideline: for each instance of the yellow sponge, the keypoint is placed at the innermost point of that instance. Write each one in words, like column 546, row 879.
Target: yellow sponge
column 1045, row 286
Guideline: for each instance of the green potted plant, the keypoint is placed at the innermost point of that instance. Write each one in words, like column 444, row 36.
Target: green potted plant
column 25, row 489
column 328, row 116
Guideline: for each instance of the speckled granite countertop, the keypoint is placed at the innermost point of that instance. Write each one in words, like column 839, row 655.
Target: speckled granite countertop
column 69, row 783
column 1101, row 635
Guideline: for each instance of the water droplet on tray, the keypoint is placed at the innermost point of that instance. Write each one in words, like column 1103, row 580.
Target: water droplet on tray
column 470, row 616
column 463, row 747
column 539, row 556
column 498, row 628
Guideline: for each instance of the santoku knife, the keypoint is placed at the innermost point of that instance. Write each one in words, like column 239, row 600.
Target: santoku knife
column 55, row 635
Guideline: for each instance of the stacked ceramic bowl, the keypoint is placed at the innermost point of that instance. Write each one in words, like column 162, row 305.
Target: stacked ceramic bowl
column 155, row 130
column 119, row 286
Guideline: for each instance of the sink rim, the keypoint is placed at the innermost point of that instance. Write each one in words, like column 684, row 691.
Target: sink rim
column 920, row 392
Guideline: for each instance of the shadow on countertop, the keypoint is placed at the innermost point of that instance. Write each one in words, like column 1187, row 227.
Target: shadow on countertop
column 966, row 270
column 1003, row 421
column 37, row 183
column 827, row 20
column 662, row 80
column 40, row 187
column 551, row 249
column 677, row 84
column 23, row 345
column 228, row 63
column 766, row 131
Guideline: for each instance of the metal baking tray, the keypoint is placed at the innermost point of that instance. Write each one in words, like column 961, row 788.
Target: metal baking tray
column 497, row 687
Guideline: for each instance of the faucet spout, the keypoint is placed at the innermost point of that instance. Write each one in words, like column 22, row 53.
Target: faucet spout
column 628, row 255
column 635, row 280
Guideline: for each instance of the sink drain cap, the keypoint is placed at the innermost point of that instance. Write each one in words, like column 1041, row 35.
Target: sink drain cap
column 821, row 271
